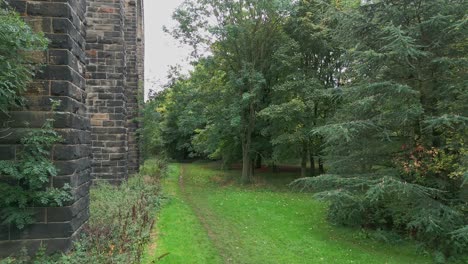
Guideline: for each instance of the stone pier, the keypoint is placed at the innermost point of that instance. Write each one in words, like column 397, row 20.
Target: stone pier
column 94, row 66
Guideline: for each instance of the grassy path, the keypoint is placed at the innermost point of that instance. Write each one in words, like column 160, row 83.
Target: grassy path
column 211, row 220
column 203, row 215
column 179, row 236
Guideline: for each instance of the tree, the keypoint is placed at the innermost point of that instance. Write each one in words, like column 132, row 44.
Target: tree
column 396, row 144
column 150, row 131
column 309, row 62
column 243, row 35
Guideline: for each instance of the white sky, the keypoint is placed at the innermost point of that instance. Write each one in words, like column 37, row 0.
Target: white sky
column 161, row 50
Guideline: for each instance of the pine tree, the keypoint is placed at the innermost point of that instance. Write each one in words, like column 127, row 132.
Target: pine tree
column 396, row 146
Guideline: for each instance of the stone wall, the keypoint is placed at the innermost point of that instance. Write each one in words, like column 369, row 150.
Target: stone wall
column 131, row 42
column 140, row 65
column 106, row 90
column 92, row 67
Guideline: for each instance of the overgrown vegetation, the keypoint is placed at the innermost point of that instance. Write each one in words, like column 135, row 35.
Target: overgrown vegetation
column 371, row 93
column 24, row 181
column 18, row 46
column 122, row 218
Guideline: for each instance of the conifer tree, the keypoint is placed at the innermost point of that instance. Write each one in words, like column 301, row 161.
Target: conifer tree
column 396, row 146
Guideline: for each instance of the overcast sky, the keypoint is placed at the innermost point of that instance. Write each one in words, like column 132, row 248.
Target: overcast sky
column 161, row 50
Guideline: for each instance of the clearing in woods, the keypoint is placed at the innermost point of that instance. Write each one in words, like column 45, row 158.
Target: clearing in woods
column 209, row 218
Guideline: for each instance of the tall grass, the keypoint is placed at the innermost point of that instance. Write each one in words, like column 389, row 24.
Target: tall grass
column 120, row 224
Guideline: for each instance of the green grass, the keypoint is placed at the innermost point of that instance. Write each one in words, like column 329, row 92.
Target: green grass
column 265, row 223
column 179, row 234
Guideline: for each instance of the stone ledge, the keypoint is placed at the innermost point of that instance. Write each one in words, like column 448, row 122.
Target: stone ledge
column 36, row 119
column 9, row 248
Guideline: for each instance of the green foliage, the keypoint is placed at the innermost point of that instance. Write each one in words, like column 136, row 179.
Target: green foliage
column 309, row 63
column 19, row 46
column 376, row 89
column 243, row 36
column 150, row 132
column 154, row 167
column 396, row 144
column 122, row 218
column 25, row 180
column 381, row 201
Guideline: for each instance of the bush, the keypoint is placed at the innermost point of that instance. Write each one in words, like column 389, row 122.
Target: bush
column 18, row 45
column 155, row 167
column 121, row 221
column 24, row 181
column 121, row 218
column 388, row 204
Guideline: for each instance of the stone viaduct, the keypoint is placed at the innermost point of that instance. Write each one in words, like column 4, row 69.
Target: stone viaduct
column 94, row 66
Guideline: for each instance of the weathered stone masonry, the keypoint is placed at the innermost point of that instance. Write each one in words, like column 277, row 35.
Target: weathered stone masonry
column 94, row 65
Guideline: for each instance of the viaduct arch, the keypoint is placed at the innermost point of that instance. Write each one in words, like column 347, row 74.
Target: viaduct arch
column 94, row 66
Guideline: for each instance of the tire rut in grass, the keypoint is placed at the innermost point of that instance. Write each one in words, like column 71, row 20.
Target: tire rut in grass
column 202, row 218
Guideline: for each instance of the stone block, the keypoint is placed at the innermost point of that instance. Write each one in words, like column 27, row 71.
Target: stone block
column 64, row 214
column 80, row 218
column 82, row 190
column 39, row 214
column 75, row 180
column 12, row 248
column 47, row 9
column 7, row 152
column 19, row 6
column 67, row 104
column 42, row 231
column 71, row 152
column 70, row 167
column 38, row 87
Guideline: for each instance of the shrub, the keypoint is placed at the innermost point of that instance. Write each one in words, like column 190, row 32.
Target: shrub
column 387, row 203
column 122, row 218
column 18, row 45
column 120, row 225
column 155, row 167
column 24, row 179
column 121, row 221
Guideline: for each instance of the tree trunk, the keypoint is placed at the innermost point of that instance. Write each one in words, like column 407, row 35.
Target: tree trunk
column 258, row 162
column 321, row 168
column 274, row 168
column 246, row 145
column 312, row 164
column 245, row 178
column 252, row 169
column 304, row 161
